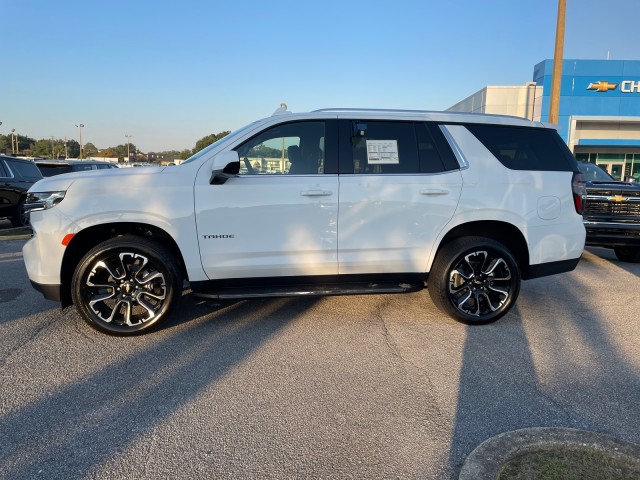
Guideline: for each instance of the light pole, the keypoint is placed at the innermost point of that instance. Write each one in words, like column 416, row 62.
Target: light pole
column 80, row 127
column 554, row 103
column 52, row 153
column 12, row 137
column 128, row 137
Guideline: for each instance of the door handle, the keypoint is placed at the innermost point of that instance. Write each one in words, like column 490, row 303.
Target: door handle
column 316, row 193
column 434, row 192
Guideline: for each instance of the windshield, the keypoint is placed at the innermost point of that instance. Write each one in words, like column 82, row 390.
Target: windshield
column 207, row 149
column 593, row 173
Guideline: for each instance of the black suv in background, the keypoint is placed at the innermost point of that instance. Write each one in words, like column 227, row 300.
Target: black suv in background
column 16, row 177
column 611, row 213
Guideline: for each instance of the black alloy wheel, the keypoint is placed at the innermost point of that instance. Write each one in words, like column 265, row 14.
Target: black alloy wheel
column 475, row 280
column 126, row 285
column 21, row 217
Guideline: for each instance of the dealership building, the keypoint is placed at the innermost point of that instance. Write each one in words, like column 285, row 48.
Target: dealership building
column 599, row 114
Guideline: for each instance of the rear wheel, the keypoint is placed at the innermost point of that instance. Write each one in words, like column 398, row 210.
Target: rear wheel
column 628, row 254
column 475, row 280
column 126, row 285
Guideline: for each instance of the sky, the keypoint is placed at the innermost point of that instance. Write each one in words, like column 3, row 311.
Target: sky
column 168, row 73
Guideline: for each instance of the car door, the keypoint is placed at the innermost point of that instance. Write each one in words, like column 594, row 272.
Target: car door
column 399, row 186
column 278, row 216
column 9, row 197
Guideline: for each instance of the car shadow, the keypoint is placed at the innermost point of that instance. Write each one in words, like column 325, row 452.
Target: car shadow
column 111, row 409
column 609, row 255
column 568, row 370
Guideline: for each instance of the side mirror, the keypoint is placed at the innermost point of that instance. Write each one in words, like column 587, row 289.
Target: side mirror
column 225, row 165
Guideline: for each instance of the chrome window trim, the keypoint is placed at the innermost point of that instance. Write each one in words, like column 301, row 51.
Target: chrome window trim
column 457, row 151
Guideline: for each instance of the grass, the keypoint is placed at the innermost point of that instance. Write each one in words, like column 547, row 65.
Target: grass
column 571, row 464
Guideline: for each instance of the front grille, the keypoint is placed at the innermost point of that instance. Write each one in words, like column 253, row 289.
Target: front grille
column 605, row 207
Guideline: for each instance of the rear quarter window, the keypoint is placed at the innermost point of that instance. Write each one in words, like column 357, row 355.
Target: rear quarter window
column 25, row 169
column 523, row 148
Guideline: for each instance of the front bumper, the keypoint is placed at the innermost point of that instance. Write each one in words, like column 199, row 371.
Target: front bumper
column 612, row 234
column 50, row 292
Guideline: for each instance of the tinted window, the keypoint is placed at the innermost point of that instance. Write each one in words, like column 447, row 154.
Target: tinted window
column 80, row 167
column 384, row 147
column 102, row 167
column 50, row 170
column 3, row 172
column 290, row 148
column 377, row 147
column 430, row 161
column 593, row 173
column 25, row 169
column 522, row 148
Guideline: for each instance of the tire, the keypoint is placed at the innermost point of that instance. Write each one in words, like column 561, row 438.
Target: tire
column 627, row 254
column 126, row 286
column 475, row 280
column 21, row 217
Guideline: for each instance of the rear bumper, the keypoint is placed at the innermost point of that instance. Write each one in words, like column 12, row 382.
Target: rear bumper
column 551, row 268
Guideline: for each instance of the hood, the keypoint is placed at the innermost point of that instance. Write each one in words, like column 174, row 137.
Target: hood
column 602, row 186
column 64, row 181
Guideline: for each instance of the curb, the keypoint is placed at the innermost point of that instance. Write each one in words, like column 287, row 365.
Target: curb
column 16, row 233
column 15, row 237
column 487, row 460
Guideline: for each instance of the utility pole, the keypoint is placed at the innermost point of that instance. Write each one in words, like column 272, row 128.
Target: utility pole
column 554, row 106
column 128, row 137
column 80, row 127
column 12, row 137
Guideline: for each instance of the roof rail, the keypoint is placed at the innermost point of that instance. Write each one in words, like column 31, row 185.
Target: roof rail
column 373, row 110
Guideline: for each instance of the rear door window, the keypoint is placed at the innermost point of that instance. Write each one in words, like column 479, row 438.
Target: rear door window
column 389, row 147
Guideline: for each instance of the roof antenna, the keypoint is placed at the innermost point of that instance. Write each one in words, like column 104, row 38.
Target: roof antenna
column 281, row 110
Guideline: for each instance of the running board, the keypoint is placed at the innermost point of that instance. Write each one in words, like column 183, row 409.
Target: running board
column 311, row 290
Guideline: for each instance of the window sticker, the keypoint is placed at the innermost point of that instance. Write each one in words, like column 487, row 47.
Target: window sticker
column 382, row 152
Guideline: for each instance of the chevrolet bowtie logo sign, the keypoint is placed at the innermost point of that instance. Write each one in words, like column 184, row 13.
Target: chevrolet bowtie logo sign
column 602, row 86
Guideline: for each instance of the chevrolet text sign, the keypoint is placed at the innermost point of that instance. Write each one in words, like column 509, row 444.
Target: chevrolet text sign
column 626, row 86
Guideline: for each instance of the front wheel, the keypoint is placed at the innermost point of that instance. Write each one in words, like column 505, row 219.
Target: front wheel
column 126, row 285
column 21, row 217
column 475, row 280
column 627, row 254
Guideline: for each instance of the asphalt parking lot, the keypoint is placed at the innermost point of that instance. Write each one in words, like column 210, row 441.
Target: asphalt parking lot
column 339, row 387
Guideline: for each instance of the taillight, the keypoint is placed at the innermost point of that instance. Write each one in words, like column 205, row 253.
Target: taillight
column 579, row 191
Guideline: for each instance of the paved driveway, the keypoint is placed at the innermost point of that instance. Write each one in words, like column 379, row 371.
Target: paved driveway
column 341, row 387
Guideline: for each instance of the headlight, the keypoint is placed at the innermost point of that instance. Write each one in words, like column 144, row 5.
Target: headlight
column 42, row 200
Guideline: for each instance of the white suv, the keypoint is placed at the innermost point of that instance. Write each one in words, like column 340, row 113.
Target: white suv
column 329, row 202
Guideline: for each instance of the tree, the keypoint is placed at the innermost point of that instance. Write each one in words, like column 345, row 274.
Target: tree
column 209, row 139
column 25, row 144
column 50, row 148
column 73, row 149
column 5, row 144
column 89, row 150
